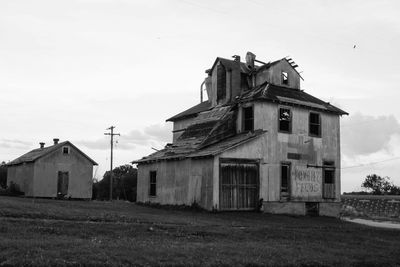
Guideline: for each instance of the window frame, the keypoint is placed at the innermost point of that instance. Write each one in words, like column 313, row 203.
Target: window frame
column 286, row 194
column 328, row 165
column 284, row 78
column 244, row 118
column 290, row 120
column 152, row 184
column 319, row 124
column 66, row 148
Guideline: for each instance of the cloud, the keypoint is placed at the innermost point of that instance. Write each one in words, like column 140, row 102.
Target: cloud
column 14, row 143
column 364, row 135
column 153, row 135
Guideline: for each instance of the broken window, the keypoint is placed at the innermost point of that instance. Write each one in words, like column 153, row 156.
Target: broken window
column 285, row 120
column 221, row 82
column 153, row 183
column 248, row 119
column 315, row 124
column 65, row 150
column 285, row 180
column 285, row 78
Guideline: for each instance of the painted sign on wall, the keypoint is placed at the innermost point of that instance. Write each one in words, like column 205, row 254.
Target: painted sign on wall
column 307, row 182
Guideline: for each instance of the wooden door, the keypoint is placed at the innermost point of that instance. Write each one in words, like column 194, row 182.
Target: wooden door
column 62, row 183
column 239, row 186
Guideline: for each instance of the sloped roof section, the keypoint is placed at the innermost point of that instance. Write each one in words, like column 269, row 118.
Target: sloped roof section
column 192, row 112
column 290, row 96
column 38, row 153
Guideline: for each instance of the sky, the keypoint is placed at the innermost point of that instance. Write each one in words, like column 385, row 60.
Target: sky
column 71, row 69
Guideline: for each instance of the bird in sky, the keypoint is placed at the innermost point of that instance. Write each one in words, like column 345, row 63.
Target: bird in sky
column 354, row 46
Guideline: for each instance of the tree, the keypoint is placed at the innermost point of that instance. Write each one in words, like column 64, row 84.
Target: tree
column 3, row 175
column 380, row 185
column 124, row 184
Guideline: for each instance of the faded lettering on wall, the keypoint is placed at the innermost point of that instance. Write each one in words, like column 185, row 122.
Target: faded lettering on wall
column 307, row 182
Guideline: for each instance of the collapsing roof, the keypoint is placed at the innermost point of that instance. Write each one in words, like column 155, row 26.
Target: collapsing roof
column 38, row 153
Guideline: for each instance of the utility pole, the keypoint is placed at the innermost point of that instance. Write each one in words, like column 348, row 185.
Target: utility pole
column 111, row 159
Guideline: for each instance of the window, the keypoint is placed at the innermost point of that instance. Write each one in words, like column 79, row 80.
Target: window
column 328, row 175
column 285, row 180
column 65, row 150
column 315, row 124
column 221, row 82
column 248, row 119
column 285, row 78
column 285, row 120
column 153, row 183
column 329, row 172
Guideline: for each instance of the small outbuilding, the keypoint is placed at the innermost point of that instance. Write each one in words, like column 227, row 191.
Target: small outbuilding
column 60, row 170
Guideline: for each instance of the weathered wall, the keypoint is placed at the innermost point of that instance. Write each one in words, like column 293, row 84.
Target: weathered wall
column 22, row 175
column 178, row 182
column 80, row 174
column 179, row 126
column 273, row 75
column 306, row 183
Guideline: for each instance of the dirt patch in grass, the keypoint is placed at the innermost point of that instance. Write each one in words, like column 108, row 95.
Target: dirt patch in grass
column 74, row 233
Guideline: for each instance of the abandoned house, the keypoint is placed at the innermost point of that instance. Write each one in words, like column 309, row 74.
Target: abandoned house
column 60, row 170
column 258, row 142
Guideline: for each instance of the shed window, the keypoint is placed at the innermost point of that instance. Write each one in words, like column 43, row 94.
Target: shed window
column 285, row 120
column 153, row 183
column 248, row 119
column 221, row 82
column 315, row 124
column 285, row 179
column 285, row 78
column 65, row 150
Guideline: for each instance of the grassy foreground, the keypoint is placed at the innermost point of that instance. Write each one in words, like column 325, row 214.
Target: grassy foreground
column 73, row 233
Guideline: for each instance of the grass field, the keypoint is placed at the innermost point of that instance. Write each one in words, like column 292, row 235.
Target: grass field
column 73, row 233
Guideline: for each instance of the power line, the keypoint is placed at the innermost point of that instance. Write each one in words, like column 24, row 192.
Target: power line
column 370, row 163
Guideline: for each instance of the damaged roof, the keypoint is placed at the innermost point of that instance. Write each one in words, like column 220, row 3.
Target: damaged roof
column 289, row 96
column 38, row 153
column 192, row 112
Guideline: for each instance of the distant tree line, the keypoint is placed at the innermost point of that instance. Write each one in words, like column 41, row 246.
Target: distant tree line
column 124, row 184
column 377, row 185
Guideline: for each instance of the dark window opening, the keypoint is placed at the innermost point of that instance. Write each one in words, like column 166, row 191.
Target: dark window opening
column 285, row 120
column 244, row 83
column 329, row 172
column 315, row 124
column 285, row 180
column 285, row 78
column 248, row 119
column 153, row 183
column 312, row 208
column 221, row 82
column 65, row 150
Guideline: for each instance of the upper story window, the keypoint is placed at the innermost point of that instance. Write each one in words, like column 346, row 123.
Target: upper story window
column 248, row 119
column 285, row 120
column 315, row 124
column 153, row 184
column 285, row 78
column 65, row 150
column 221, row 82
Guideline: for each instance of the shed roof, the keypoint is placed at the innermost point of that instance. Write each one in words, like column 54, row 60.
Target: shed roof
column 192, row 112
column 38, row 153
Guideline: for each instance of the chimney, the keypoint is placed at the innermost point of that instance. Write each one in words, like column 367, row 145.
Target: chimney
column 55, row 140
column 250, row 57
column 41, row 145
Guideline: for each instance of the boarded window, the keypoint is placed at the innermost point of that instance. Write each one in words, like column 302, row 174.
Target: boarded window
column 285, row 120
column 315, row 124
column 221, row 83
column 65, row 150
column 248, row 119
column 153, row 184
column 285, row 180
column 285, row 78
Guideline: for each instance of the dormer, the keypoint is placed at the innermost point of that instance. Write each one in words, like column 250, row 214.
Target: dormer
column 281, row 72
